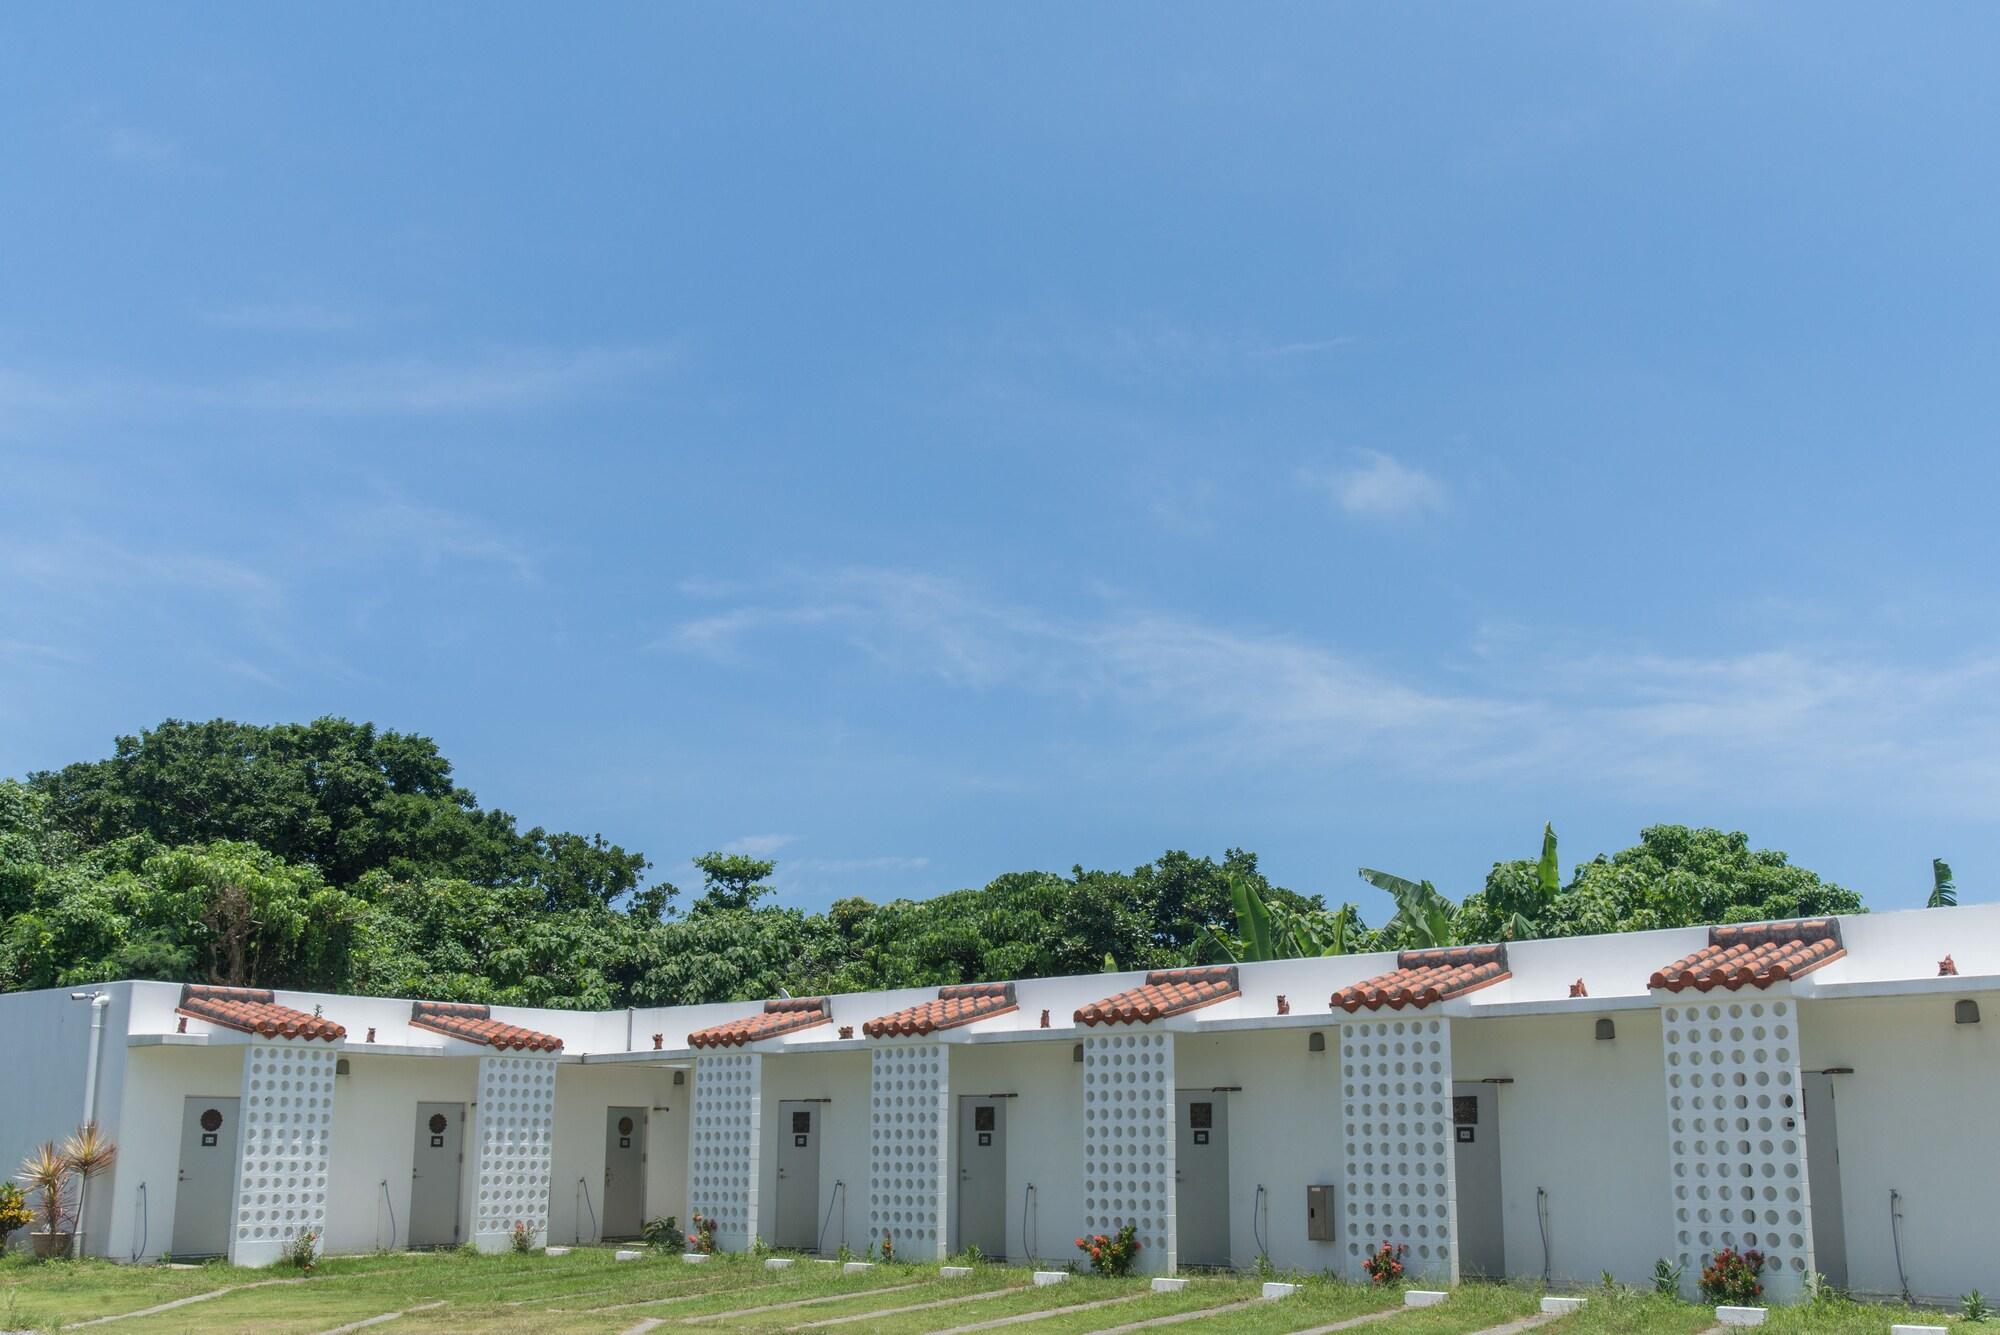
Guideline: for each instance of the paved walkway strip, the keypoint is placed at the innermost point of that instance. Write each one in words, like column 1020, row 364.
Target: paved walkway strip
column 1525, row 1323
column 703, row 1292
column 180, row 1302
column 1045, row 1313
column 796, row 1302
column 352, row 1326
column 1176, row 1318
column 1001, row 1292
column 1351, row 1322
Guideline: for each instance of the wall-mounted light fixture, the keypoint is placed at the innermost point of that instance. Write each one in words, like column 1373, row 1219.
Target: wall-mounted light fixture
column 1965, row 1012
column 680, row 1077
column 1315, row 1042
column 1606, row 1031
column 1076, row 1053
column 340, row 1067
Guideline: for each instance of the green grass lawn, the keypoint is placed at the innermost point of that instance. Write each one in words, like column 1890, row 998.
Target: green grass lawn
column 589, row 1293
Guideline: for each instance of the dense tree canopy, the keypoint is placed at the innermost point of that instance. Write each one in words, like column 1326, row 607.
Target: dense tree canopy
column 334, row 857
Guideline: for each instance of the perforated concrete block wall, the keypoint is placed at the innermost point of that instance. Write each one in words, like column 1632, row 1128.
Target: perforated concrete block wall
column 723, row 1145
column 908, row 1140
column 1396, row 1126
column 1128, row 1142
column 517, row 1118
column 1736, row 1141
column 287, row 1129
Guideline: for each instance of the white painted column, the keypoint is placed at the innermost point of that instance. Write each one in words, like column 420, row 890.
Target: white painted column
column 909, row 1127
column 285, row 1133
column 1397, row 1139
column 1128, row 1143
column 725, row 1143
column 515, row 1138
column 1736, row 1140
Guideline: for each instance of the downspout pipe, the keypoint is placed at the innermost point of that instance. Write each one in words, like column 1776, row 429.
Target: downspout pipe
column 99, row 1003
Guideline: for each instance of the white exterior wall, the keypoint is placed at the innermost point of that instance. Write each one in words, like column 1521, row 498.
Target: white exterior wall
column 584, row 1094
column 1284, row 1135
column 1044, row 1148
column 374, row 1144
column 157, row 1082
column 1914, row 1118
column 1585, row 1120
column 842, row 1080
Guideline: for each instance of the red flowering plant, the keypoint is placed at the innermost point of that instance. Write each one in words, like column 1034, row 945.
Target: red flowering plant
column 888, row 1246
column 1731, row 1279
column 1114, row 1254
column 701, row 1238
column 1386, row 1266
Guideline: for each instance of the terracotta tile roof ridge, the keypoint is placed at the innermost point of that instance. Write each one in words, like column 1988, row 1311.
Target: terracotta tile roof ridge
column 1422, row 977
column 1165, row 992
column 473, row 1022
column 782, row 1015
column 1754, row 954
column 955, row 1005
column 254, row 1010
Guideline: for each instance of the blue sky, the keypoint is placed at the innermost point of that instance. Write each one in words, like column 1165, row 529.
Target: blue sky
column 923, row 442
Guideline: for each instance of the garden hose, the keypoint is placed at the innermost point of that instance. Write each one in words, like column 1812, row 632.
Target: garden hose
column 392, row 1214
column 819, row 1243
column 583, row 1190
column 1896, row 1236
column 1542, row 1221
column 140, row 1206
column 1027, row 1197
column 1260, row 1203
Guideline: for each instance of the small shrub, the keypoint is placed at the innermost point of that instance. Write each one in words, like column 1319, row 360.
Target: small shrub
column 1667, row 1278
column 759, row 1248
column 701, row 1238
column 1113, row 1255
column 1386, row 1265
column 14, row 1211
column 845, row 1254
column 302, row 1252
column 1973, row 1306
column 1731, row 1279
column 971, row 1255
column 523, row 1237
column 663, row 1233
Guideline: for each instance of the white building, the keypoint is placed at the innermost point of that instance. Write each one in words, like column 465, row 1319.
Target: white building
column 1558, row 1108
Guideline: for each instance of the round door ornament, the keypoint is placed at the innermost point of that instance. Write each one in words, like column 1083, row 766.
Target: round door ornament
column 438, row 1124
column 624, row 1126
column 211, row 1119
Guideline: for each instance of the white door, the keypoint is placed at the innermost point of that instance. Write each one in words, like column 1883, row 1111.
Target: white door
column 624, row 1172
column 1829, row 1224
column 1201, row 1176
column 434, row 1175
column 206, row 1195
column 982, row 1175
column 798, row 1176
column 1475, row 1126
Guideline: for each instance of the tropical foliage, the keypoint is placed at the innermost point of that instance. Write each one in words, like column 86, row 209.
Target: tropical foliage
column 335, row 856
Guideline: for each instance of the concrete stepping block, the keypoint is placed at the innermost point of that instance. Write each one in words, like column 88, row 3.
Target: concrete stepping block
column 1563, row 1305
column 1051, row 1276
column 1424, row 1297
column 777, row 1262
column 857, row 1267
column 555, row 1251
column 1164, row 1285
column 1277, row 1290
column 1741, row 1316
column 954, row 1272
column 625, row 1254
column 694, row 1258
column 1919, row 1330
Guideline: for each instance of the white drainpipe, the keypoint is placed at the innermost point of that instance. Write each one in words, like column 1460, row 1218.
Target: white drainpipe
column 98, row 1003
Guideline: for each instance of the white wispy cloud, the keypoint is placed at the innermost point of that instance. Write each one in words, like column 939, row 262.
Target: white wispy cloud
column 759, row 845
column 1378, row 487
column 1789, row 723
column 286, row 317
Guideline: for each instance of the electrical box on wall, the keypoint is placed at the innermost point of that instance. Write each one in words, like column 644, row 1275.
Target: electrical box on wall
column 1319, row 1214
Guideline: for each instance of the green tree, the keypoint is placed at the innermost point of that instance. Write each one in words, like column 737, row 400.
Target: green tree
column 732, row 881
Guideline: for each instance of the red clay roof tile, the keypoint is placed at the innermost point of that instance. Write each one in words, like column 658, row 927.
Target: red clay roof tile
column 1755, row 954
column 783, row 1016
column 475, row 1024
column 1424, row 976
column 254, row 1010
column 1165, row 992
column 954, row 1006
